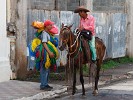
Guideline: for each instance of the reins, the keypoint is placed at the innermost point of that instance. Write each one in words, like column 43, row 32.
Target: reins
column 76, row 39
column 72, row 45
column 75, row 42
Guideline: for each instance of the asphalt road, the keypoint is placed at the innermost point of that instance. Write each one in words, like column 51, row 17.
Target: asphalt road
column 118, row 91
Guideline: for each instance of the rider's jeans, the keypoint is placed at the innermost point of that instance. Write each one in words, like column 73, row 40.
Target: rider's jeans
column 44, row 74
column 92, row 48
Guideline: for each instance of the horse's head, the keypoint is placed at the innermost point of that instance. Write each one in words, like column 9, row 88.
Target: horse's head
column 64, row 36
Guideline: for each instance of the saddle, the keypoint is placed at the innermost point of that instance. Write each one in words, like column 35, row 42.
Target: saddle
column 86, row 34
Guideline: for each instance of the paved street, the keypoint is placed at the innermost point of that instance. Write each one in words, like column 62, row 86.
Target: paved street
column 23, row 90
column 117, row 91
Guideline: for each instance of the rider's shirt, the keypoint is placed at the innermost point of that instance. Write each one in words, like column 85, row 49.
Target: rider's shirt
column 45, row 36
column 88, row 23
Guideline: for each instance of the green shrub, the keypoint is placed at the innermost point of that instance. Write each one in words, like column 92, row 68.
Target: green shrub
column 111, row 63
column 116, row 62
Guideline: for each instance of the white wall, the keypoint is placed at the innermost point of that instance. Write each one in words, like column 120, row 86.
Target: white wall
column 5, row 70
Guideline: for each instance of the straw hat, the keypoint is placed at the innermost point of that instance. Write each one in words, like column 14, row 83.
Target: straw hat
column 81, row 8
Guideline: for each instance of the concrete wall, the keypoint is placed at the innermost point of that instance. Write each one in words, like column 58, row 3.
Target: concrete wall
column 5, row 70
column 17, row 19
column 23, row 12
column 21, row 25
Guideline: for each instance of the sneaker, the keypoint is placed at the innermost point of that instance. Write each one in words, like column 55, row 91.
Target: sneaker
column 49, row 87
column 46, row 88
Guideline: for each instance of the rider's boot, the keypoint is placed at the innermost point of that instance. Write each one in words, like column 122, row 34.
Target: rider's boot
column 94, row 62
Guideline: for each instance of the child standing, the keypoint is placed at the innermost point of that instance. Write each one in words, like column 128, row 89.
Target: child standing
column 44, row 73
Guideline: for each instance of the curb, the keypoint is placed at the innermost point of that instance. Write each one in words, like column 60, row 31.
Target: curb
column 45, row 95
column 64, row 91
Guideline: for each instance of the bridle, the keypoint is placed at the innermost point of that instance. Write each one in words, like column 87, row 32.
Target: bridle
column 71, row 54
column 70, row 37
column 66, row 40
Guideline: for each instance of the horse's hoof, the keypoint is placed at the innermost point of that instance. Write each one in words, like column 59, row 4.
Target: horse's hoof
column 73, row 93
column 83, row 94
column 95, row 92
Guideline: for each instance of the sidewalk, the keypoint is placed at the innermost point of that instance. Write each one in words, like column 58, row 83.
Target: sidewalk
column 23, row 90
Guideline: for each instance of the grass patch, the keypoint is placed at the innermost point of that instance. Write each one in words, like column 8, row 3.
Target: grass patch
column 108, row 64
column 85, row 69
column 111, row 63
column 125, row 60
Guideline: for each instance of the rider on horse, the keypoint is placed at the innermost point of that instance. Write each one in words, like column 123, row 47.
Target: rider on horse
column 87, row 29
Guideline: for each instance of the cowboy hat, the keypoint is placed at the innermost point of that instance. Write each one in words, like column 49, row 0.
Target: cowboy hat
column 81, row 8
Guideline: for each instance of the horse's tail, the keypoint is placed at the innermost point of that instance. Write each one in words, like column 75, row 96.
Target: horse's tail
column 101, row 49
column 105, row 53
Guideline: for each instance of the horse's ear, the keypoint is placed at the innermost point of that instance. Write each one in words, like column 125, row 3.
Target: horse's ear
column 62, row 25
column 70, row 26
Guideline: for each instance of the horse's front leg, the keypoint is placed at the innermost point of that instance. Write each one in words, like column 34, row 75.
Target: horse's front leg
column 74, row 81
column 95, row 92
column 82, row 80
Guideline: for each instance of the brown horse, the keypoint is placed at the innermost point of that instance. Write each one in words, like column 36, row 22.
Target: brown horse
column 77, row 56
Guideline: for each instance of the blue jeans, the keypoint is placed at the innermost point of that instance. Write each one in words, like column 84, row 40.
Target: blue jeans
column 44, row 75
column 92, row 48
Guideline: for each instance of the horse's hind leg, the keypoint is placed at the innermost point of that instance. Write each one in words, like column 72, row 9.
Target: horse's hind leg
column 82, row 81
column 74, row 81
column 95, row 92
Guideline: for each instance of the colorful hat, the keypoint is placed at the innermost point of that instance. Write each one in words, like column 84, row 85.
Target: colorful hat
column 48, row 22
column 37, row 25
column 54, row 30
column 81, row 8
